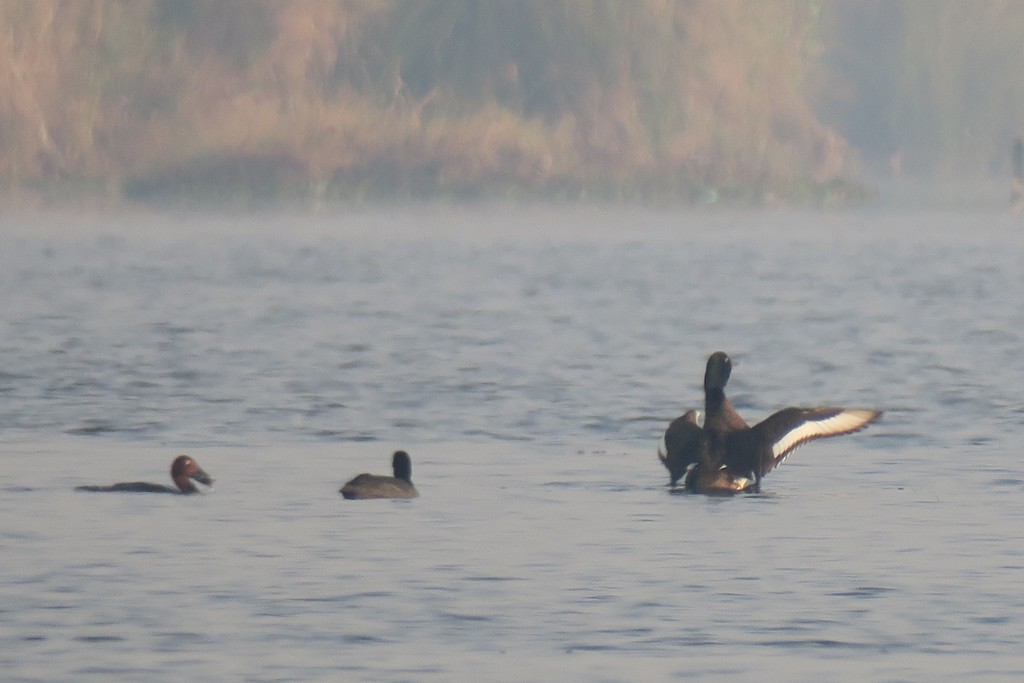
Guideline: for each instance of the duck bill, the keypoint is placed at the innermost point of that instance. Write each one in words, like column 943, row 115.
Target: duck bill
column 202, row 477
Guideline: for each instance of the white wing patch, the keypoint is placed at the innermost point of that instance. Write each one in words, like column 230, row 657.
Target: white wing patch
column 849, row 420
column 741, row 483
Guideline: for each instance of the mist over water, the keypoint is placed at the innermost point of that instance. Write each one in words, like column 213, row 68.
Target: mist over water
column 529, row 360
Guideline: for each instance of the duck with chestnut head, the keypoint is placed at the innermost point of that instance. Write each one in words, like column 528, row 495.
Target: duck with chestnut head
column 184, row 471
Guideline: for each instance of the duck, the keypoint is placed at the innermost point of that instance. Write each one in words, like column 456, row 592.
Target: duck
column 726, row 455
column 367, row 486
column 184, row 470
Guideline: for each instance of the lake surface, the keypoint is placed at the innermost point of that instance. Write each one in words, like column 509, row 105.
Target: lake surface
column 529, row 359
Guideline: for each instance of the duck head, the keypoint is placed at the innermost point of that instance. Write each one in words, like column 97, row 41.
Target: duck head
column 184, row 469
column 716, row 376
column 402, row 465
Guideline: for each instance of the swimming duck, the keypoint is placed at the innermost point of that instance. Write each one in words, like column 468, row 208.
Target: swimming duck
column 366, row 486
column 729, row 456
column 183, row 470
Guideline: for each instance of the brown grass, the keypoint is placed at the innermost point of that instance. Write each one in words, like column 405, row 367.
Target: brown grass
column 692, row 97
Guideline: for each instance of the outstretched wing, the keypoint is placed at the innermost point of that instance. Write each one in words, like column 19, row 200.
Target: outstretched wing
column 681, row 448
column 790, row 428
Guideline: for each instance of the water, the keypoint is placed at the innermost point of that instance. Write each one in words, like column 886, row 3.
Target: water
column 529, row 360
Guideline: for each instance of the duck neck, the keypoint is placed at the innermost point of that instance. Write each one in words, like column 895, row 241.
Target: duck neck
column 719, row 413
column 714, row 400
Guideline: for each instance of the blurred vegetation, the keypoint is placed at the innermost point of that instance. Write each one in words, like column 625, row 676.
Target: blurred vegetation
column 699, row 100
column 931, row 87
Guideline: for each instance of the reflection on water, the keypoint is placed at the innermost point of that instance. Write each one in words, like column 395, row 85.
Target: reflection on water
column 529, row 361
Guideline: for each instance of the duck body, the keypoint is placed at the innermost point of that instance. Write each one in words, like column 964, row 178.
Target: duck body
column 728, row 456
column 184, row 470
column 371, row 486
column 129, row 487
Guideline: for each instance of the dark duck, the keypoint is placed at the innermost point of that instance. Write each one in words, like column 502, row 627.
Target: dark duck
column 184, row 470
column 366, row 486
column 729, row 456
